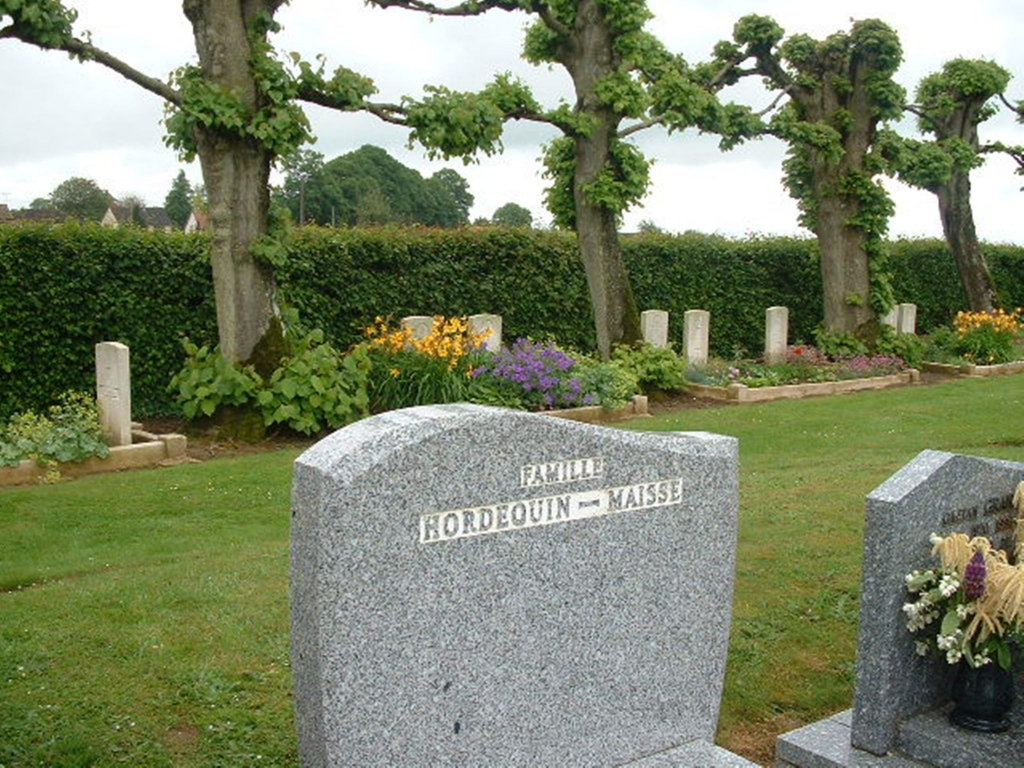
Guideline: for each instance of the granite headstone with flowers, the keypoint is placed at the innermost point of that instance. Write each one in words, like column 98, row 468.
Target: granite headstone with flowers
column 478, row 586
column 901, row 701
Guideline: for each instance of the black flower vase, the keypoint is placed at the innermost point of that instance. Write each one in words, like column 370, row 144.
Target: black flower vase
column 983, row 697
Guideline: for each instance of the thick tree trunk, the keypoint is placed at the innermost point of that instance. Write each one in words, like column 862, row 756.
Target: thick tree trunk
column 845, row 274
column 591, row 58
column 615, row 314
column 236, row 175
column 236, row 170
column 958, row 226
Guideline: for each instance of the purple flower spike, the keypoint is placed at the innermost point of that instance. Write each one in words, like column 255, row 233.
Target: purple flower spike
column 974, row 576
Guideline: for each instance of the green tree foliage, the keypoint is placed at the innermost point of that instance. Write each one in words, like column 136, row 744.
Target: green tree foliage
column 624, row 81
column 178, row 202
column 80, row 197
column 303, row 171
column 513, row 215
column 950, row 105
column 237, row 110
column 368, row 186
column 837, row 91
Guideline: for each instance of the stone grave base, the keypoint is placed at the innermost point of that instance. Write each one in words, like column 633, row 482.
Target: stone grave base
column 146, row 450
column 925, row 741
column 695, row 754
column 968, row 369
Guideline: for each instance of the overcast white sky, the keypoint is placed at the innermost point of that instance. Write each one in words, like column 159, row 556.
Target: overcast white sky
column 60, row 118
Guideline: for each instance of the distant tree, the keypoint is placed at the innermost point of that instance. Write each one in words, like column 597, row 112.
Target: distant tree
column 513, row 215
column 41, row 204
column 178, row 202
column 369, row 186
column 135, row 207
column 450, row 192
column 81, row 197
column 300, row 168
column 649, row 227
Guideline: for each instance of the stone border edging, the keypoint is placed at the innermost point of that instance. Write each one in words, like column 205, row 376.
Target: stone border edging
column 740, row 393
column 598, row 414
column 150, row 450
column 970, row 369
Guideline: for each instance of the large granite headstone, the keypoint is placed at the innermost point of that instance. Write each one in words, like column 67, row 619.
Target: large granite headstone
column 476, row 586
column 900, row 698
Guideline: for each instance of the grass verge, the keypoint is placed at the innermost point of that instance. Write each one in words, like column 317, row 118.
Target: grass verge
column 144, row 615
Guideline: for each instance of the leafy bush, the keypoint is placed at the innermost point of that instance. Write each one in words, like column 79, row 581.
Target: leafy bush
column 208, row 380
column 607, row 384
column 70, row 431
column 653, row 368
column 314, row 388
column 317, row 387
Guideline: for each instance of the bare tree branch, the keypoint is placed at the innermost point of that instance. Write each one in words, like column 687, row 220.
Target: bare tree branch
column 87, row 51
column 1012, row 107
column 775, row 102
column 642, row 126
column 466, row 8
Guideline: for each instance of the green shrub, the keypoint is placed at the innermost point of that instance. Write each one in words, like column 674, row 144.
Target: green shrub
column 317, row 387
column 208, row 380
column 654, row 368
column 610, row 385
column 70, row 431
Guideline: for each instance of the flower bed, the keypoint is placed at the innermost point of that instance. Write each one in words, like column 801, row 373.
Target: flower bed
column 740, row 393
column 146, row 450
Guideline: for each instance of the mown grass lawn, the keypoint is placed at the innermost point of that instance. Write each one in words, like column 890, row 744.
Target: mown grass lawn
column 144, row 615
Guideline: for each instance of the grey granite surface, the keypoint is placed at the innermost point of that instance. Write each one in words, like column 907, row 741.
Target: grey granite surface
column 476, row 586
column 935, row 493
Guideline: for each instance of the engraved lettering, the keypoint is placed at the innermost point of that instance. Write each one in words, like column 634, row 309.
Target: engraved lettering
column 567, row 471
column 548, row 510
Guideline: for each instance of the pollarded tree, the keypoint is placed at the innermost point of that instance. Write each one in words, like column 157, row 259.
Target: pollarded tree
column 237, row 111
column 950, row 106
column 839, row 90
column 624, row 81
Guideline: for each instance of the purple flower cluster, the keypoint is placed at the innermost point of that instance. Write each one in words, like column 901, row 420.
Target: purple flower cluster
column 975, row 575
column 541, row 369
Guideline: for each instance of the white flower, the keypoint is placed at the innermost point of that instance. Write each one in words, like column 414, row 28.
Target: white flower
column 934, row 539
column 953, row 655
column 964, row 610
column 949, row 585
column 921, row 648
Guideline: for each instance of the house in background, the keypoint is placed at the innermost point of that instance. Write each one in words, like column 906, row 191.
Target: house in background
column 198, row 221
column 131, row 214
column 35, row 215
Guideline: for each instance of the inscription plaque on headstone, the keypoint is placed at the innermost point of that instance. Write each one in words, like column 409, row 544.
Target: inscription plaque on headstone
column 477, row 586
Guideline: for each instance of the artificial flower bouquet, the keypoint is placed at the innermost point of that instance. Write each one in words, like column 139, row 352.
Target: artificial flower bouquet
column 971, row 606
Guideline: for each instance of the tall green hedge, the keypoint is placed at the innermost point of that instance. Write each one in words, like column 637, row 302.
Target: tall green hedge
column 64, row 288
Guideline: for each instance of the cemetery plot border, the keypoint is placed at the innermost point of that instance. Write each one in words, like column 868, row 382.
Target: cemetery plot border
column 969, row 369
column 740, row 393
column 147, row 450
